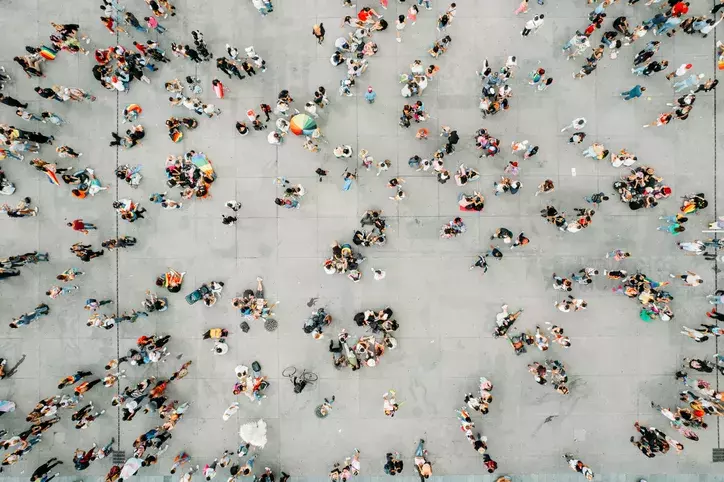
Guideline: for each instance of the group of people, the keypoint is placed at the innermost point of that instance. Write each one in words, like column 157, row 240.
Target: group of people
column 478, row 441
column 642, row 188
column 496, row 91
column 117, row 67
column 192, row 173
column 344, row 261
column 366, row 351
column 252, row 305
column 584, row 217
column 552, row 370
column 415, row 84
column 375, row 237
column 436, row 162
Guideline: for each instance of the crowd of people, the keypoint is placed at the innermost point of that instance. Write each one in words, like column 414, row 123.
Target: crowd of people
column 117, row 67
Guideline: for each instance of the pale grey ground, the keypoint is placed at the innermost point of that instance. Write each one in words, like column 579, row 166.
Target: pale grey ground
column 445, row 311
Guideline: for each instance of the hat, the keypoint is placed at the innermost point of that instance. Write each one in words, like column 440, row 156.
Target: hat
column 369, row 89
column 688, row 66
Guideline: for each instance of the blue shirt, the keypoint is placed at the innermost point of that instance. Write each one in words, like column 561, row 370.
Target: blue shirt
column 635, row 92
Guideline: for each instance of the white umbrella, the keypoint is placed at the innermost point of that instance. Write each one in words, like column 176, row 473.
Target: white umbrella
column 131, row 467
column 254, row 433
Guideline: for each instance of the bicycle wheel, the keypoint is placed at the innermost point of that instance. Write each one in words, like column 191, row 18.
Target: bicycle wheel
column 289, row 372
column 309, row 376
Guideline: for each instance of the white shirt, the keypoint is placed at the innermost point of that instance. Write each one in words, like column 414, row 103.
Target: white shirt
column 533, row 24
column 681, row 70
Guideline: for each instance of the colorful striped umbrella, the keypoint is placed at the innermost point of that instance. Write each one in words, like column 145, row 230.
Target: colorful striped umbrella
column 302, row 124
column 47, row 53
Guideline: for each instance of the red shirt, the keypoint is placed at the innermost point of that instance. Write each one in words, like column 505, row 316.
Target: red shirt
column 680, row 9
column 78, row 225
column 363, row 15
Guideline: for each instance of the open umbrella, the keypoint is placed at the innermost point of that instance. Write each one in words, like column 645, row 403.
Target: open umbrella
column 302, row 124
column 254, row 433
column 131, row 467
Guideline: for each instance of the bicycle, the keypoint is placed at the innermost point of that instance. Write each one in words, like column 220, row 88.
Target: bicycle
column 299, row 381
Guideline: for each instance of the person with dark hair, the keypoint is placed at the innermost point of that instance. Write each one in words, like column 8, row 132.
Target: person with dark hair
column 12, row 102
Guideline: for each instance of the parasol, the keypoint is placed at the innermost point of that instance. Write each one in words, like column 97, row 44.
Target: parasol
column 47, row 53
column 302, row 124
column 131, row 467
column 254, row 433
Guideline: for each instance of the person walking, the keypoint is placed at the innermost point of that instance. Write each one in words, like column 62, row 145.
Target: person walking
column 12, row 102
column 318, row 31
column 522, row 8
column 680, row 72
column 153, row 24
column 80, row 225
column 633, row 93
column 687, row 83
column 577, row 124
column 532, row 25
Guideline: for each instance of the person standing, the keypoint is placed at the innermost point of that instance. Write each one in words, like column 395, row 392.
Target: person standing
column 131, row 20
column 370, row 95
column 311, row 109
column 596, row 199
column 266, row 109
column 400, row 26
